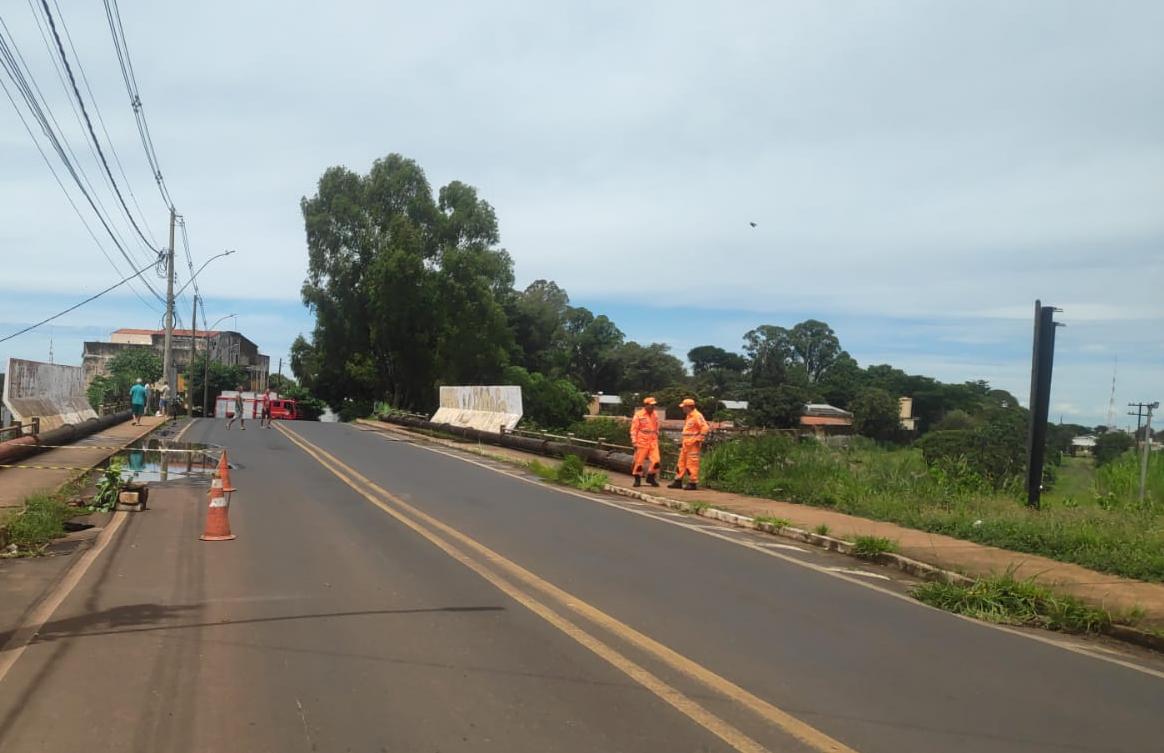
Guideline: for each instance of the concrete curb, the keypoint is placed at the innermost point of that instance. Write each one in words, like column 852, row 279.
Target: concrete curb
column 890, row 559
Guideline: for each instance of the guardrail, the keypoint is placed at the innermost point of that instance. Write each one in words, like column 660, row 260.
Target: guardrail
column 17, row 429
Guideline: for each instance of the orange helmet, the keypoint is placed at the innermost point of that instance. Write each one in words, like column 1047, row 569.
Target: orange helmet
column 650, row 401
column 687, row 403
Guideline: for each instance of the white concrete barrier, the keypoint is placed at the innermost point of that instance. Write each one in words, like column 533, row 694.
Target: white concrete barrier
column 53, row 392
column 487, row 408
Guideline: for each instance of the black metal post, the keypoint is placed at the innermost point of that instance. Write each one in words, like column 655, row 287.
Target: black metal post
column 1042, row 363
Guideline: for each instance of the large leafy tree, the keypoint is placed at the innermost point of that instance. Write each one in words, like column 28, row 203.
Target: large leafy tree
column 814, row 346
column 769, row 351
column 875, row 414
column 538, row 317
column 705, row 358
column 593, row 343
column 408, row 292
column 648, row 367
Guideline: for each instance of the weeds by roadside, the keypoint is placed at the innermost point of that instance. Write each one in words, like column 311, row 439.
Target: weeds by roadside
column 1002, row 599
column 772, row 521
column 570, row 472
column 822, row 530
column 30, row 530
column 897, row 486
column 871, row 546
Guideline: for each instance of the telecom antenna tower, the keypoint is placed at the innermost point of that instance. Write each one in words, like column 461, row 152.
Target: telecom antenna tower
column 1111, row 411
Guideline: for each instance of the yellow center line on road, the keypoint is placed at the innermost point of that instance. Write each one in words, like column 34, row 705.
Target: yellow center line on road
column 424, row 524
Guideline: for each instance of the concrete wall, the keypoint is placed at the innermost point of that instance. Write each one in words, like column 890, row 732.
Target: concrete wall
column 53, row 392
column 487, row 408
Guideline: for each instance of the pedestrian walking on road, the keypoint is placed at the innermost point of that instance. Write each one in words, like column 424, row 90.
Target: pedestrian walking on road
column 644, row 434
column 137, row 401
column 164, row 399
column 265, row 415
column 238, row 411
column 695, row 430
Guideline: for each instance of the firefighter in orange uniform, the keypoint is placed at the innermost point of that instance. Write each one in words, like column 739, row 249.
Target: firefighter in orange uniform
column 644, row 434
column 695, row 430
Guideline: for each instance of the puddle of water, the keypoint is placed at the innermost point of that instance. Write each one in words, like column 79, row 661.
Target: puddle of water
column 158, row 461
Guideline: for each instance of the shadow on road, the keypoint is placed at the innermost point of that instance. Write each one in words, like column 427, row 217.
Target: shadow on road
column 144, row 618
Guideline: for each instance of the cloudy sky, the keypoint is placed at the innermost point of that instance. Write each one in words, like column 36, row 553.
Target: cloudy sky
column 919, row 172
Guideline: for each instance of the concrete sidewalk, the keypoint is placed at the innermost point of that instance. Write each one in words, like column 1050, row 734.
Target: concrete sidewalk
column 16, row 484
column 1109, row 591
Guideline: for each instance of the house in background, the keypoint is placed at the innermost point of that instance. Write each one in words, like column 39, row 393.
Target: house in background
column 1083, row 446
column 823, row 420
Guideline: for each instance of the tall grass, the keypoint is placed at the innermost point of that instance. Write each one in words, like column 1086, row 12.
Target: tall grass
column 1118, row 482
column 897, row 486
column 31, row 529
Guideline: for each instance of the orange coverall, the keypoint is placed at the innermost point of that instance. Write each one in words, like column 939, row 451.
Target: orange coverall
column 695, row 430
column 644, row 434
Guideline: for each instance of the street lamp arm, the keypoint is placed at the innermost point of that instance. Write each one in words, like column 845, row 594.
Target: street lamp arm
column 212, row 258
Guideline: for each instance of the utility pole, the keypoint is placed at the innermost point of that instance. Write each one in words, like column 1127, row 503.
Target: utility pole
column 1143, row 411
column 1146, row 451
column 168, row 349
column 193, row 352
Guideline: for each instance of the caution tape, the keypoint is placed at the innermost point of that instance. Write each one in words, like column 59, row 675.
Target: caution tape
column 49, row 467
column 119, row 448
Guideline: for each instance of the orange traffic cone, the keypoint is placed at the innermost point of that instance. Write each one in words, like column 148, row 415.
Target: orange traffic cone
column 224, row 473
column 218, row 514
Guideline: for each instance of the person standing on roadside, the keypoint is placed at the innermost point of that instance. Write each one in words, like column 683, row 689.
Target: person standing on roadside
column 238, row 411
column 644, row 434
column 137, row 401
column 695, row 430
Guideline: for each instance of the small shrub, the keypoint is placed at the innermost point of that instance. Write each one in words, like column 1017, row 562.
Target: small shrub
column 1003, row 599
column 108, row 488
column 42, row 520
column 822, row 530
column 871, row 546
column 592, row 481
column 570, row 470
column 773, row 521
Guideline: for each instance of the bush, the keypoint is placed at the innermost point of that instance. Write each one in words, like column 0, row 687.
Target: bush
column 1005, row 600
column 994, row 453
column 876, row 414
column 1110, row 445
column 956, row 420
column 611, row 430
column 550, row 403
column 776, row 407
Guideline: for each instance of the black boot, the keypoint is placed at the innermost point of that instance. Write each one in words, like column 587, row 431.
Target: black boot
column 692, row 486
column 676, row 484
column 651, row 479
column 638, row 481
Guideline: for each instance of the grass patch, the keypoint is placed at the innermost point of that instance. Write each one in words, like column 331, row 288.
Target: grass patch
column 871, row 546
column 697, row 508
column 773, row 521
column 1110, row 531
column 570, row 472
column 1003, row 599
column 822, row 529
column 31, row 529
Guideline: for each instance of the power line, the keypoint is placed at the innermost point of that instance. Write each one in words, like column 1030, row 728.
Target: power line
column 11, row 61
column 77, row 306
column 113, row 16
column 101, row 121
column 88, row 122
column 69, row 98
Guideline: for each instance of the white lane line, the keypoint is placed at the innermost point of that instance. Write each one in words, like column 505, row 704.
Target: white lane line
column 788, row 547
column 763, row 549
column 852, row 571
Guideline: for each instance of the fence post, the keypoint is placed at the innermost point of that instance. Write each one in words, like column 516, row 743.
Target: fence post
column 35, row 425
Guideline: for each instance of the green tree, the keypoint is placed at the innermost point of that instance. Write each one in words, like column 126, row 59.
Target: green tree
column 875, row 414
column 218, row 377
column 1110, row 445
column 549, row 403
column 408, row 292
column 705, row 358
column 814, row 346
column 769, row 352
column 648, row 367
column 842, row 381
column 593, row 347
column 124, row 368
column 538, row 317
column 777, row 407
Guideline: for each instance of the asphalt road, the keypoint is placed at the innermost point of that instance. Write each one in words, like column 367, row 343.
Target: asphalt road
column 383, row 596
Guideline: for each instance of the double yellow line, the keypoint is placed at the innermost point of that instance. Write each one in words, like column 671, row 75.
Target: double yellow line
column 537, row 595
